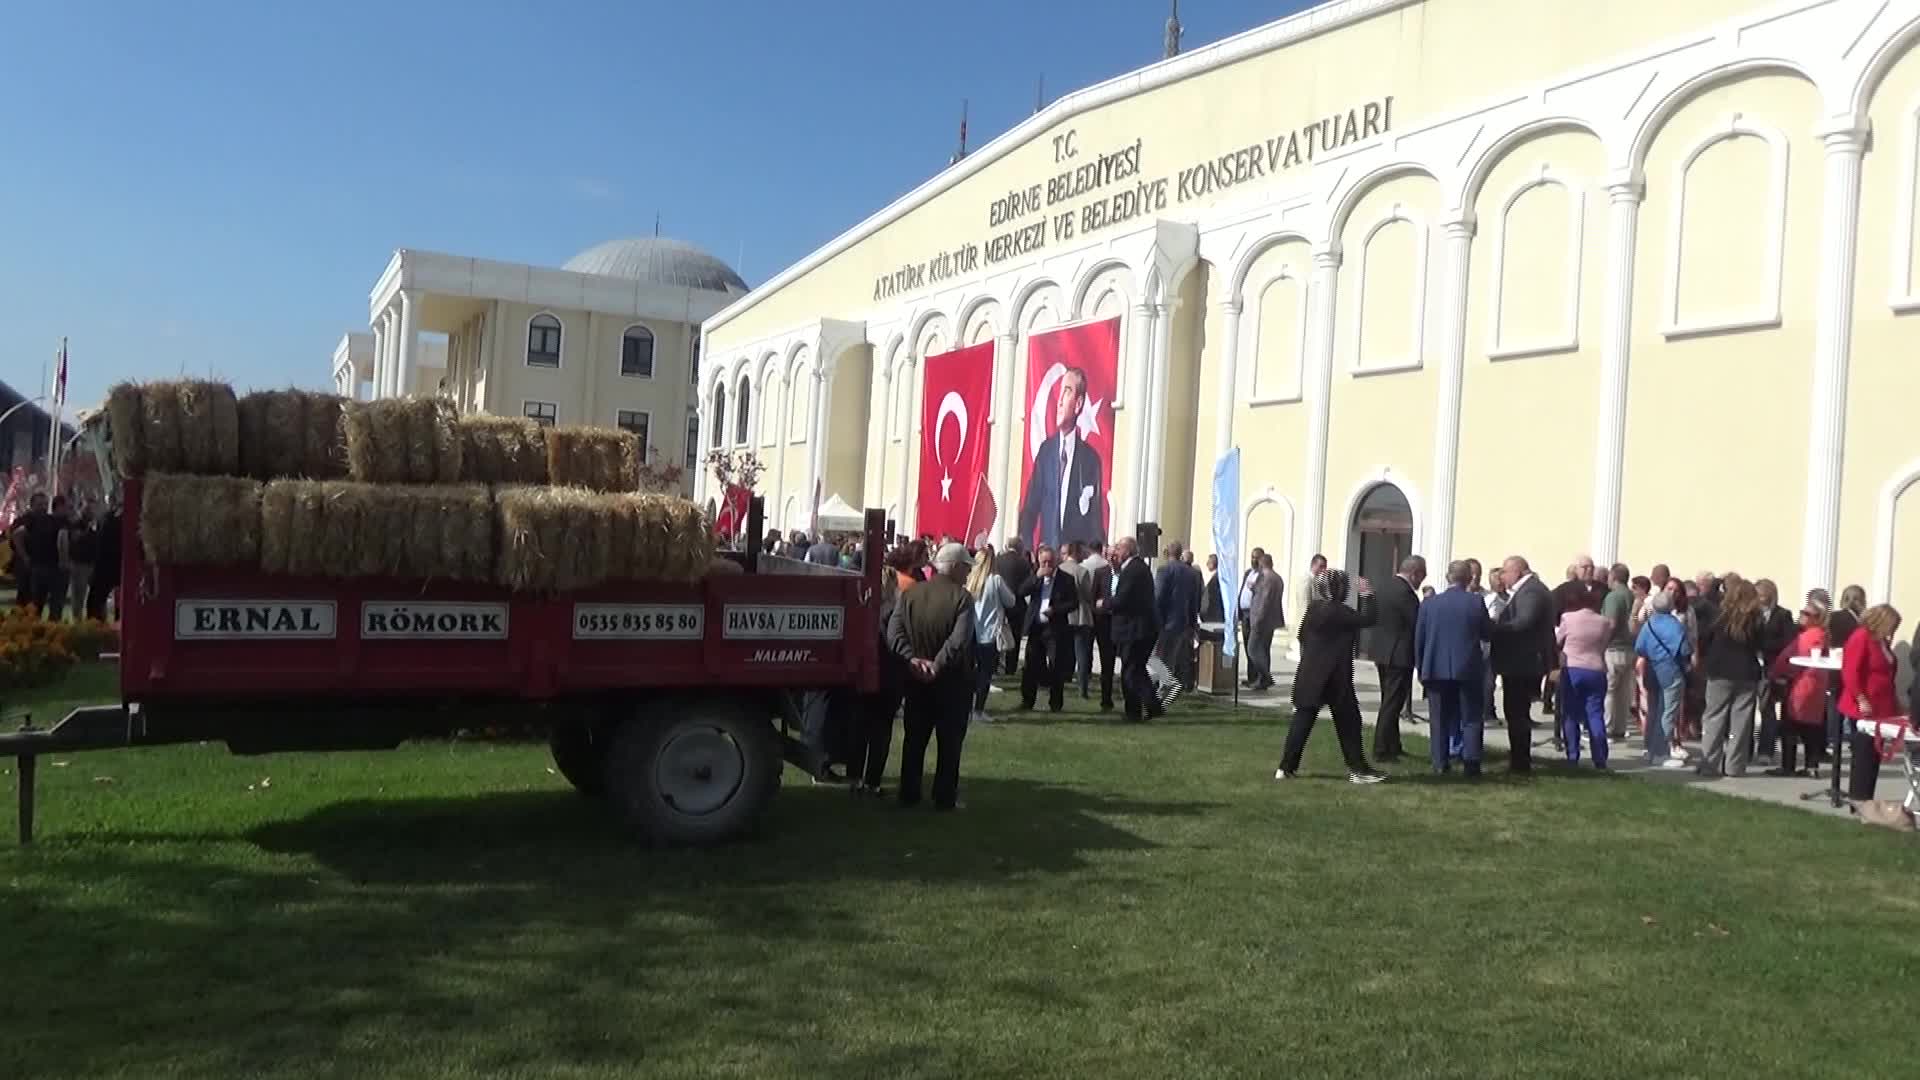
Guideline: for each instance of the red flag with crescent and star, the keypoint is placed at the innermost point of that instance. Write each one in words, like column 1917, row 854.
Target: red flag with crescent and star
column 953, row 439
column 1073, row 368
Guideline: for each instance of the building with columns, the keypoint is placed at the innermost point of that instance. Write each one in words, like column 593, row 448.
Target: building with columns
column 611, row 338
column 1458, row 277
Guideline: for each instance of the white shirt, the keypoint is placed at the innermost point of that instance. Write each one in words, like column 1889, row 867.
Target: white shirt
column 1514, row 588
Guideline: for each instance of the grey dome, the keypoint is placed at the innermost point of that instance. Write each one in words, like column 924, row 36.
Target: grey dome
column 660, row 261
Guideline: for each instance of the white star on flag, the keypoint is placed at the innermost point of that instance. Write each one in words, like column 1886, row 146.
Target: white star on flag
column 1089, row 420
column 946, row 487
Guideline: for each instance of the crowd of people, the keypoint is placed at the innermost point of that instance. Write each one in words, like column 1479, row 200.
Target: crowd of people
column 1707, row 662
column 63, row 558
column 1703, row 668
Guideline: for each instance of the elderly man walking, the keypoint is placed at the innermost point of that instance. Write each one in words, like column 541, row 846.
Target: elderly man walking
column 1447, row 637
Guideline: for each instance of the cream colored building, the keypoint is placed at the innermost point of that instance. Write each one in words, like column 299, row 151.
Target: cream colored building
column 1464, row 277
column 611, row 338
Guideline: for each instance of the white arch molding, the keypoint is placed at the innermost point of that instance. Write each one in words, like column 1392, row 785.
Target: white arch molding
column 1568, row 341
column 1381, row 474
column 1903, row 286
column 1250, row 390
column 1269, row 496
column 1654, row 120
column 1516, row 136
column 1887, row 506
column 1397, row 213
column 1766, row 313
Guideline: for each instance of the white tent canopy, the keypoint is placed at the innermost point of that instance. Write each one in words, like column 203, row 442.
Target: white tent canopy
column 837, row 517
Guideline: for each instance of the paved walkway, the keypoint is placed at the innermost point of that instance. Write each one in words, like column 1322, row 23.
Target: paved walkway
column 1624, row 758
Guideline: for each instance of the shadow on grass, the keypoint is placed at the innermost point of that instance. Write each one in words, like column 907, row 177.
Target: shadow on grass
column 509, row 929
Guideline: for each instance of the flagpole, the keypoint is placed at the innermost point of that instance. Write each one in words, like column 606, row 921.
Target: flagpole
column 54, row 438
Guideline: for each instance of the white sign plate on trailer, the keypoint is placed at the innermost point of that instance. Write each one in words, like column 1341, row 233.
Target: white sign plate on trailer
column 639, row 622
column 388, row 621
column 810, row 622
column 253, row 620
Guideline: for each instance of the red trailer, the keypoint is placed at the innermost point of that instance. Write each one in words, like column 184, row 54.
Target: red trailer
column 667, row 700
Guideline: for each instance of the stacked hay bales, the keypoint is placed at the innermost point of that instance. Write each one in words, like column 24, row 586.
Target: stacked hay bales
column 188, row 520
column 188, row 426
column 292, row 433
column 343, row 529
column 597, row 459
column 502, row 450
column 315, row 485
column 402, row 441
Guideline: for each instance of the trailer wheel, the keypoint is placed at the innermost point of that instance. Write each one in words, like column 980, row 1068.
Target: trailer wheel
column 694, row 772
column 580, row 753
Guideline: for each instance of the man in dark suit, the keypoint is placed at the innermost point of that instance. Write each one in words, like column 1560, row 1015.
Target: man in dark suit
column 1523, row 645
column 1176, row 603
column 1266, row 614
column 1446, row 646
column 1051, row 600
column 1100, row 589
column 1396, row 607
column 1131, row 607
column 1066, row 499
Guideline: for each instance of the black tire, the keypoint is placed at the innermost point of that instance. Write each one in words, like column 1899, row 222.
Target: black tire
column 694, row 771
column 580, row 753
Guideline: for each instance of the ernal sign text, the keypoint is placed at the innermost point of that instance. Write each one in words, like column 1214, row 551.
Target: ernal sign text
column 265, row 620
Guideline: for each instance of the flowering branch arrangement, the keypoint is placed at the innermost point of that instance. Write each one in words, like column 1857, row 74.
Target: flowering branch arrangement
column 661, row 479
column 730, row 468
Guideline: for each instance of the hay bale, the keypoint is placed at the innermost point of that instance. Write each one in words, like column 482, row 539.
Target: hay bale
column 226, row 432
column 306, row 555
column 598, row 459
column 343, row 512
column 255, row 437
column 126, row 415
column 689, row 541
column 402, row 441
column 466, row 531
column 200, row 520
column 324, row 453
column 502, row 450
column 277, row 509
column 160, row 426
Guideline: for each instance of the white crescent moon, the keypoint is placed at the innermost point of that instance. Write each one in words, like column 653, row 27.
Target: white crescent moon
column 1042, row 398
column 955, row 406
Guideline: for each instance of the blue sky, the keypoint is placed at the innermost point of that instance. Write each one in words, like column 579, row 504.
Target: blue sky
column 213, row 187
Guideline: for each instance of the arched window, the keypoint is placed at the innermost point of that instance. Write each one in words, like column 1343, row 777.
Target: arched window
column 741, row 411
column 719, row 414
column 543, row 341
column 636, row 353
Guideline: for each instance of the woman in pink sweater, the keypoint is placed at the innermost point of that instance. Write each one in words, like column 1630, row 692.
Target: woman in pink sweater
column 1583, row 634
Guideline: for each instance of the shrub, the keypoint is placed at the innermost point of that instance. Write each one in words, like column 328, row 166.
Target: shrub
column 88, row 638
column 33, row 651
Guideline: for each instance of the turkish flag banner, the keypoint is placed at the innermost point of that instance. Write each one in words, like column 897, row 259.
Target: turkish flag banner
column 732, row 517
column 1067, row 468
column 954, row 438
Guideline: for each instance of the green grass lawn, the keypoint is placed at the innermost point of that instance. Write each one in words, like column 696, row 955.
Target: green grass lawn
column 1115, row 902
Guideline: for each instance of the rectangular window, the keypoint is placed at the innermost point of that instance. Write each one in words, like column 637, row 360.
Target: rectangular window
column 636, row 354
column 544, row 413
column 636, row 422
column 693, row 444
column 694, row 375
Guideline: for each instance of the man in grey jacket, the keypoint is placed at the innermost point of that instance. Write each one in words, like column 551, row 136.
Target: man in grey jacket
column 932, row 630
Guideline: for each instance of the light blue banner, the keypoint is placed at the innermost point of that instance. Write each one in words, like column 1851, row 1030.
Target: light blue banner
column 1226, row 542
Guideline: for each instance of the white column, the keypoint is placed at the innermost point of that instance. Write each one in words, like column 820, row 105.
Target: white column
column 1157, row 427
column 392, row 316
column 783, row 414
column 875, row 493
column 379, row 355
column 1832, row 353
column 1229, row 393
column 702, row 482
column 906, row 450
column 1455, row 259
column 817, row 435
column 409, row 341
column 1616, row 357
column 1002, row 432
column 1319, row 392
column 1139, row 364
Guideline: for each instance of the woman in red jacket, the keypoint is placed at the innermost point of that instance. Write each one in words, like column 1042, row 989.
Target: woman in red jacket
column 1804, row 720
column 1867, row 668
